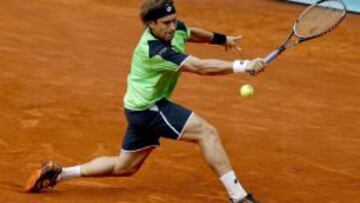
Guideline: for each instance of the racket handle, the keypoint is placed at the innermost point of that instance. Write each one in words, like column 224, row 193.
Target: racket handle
column 272, row 56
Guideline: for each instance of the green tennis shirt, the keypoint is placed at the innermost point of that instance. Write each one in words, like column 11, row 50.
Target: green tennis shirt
column 155, row 68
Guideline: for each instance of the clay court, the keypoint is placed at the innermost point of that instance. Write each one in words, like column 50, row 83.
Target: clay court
column 63, row 68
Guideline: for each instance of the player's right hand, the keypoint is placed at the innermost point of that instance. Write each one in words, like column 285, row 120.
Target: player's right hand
column 255, row 66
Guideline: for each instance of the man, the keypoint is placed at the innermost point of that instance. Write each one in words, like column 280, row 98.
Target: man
column 157, row 63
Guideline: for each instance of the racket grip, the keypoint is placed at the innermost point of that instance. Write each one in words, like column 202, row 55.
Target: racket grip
column 272, row 56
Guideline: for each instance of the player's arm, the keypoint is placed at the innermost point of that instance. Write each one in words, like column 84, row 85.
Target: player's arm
column 199, row 35
column 221, row 67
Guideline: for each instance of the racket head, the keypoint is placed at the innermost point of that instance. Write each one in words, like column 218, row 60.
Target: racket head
column 319, row 18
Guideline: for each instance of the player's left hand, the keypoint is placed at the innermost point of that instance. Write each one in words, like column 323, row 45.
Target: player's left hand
column 231, row 43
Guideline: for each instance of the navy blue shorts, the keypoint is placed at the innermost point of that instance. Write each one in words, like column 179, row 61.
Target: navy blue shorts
column 164, row 119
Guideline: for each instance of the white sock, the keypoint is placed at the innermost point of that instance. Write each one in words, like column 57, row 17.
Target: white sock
column 69, row 172
column 232, row 185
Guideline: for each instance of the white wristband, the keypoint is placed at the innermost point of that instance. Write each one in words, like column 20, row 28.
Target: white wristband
column 239, row 66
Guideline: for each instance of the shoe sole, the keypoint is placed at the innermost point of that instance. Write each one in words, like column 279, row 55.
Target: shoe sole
column 31, row 185
column 32, row 181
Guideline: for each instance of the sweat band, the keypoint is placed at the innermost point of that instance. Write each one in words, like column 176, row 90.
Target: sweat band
column 157, row 13
column 218, row 39
column 239, row 66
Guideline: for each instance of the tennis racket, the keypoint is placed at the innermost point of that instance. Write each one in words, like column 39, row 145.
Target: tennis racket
column 318, row 19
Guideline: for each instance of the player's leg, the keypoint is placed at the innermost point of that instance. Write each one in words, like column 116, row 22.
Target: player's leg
column 199, row 131
column 126, row 164
column 138, row 143
column 176, row 122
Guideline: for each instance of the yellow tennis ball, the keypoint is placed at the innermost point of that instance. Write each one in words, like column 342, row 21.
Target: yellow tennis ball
column 246, row 90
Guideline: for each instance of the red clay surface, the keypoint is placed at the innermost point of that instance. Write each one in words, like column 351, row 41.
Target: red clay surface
column 63, row 66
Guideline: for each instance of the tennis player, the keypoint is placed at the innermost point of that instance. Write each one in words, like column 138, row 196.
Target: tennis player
column 157, row 63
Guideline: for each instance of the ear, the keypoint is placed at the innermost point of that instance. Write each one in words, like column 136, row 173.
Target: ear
column 151, row 24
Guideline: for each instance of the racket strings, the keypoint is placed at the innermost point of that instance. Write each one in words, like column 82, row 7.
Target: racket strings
column 319, row 19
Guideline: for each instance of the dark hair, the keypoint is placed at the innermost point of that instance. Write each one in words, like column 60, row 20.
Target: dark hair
column 149, row 5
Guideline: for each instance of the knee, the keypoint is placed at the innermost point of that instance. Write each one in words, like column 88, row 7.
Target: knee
column 121, row 170
column 210, row 134
column 213, row 131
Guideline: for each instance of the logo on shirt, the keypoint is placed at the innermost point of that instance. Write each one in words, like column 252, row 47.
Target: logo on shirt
column 168, row 9
column 163, row 51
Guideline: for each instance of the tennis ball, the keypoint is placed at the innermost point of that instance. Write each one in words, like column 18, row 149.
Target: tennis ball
column 246, row 90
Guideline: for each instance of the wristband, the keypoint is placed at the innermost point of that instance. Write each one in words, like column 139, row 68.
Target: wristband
column 218, row 39
column 240, row 66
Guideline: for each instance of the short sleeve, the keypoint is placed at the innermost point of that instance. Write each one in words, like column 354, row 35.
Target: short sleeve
column 181, row 26
column 164, row 57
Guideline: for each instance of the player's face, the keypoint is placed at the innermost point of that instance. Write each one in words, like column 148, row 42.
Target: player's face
column 164, row 28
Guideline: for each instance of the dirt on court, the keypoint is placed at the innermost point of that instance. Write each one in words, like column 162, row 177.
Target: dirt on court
column 63, row 68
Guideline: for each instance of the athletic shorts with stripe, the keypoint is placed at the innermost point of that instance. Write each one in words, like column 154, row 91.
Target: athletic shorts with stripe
column 165, row 119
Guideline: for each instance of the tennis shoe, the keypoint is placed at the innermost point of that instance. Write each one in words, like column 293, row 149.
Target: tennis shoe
column 44, row 177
